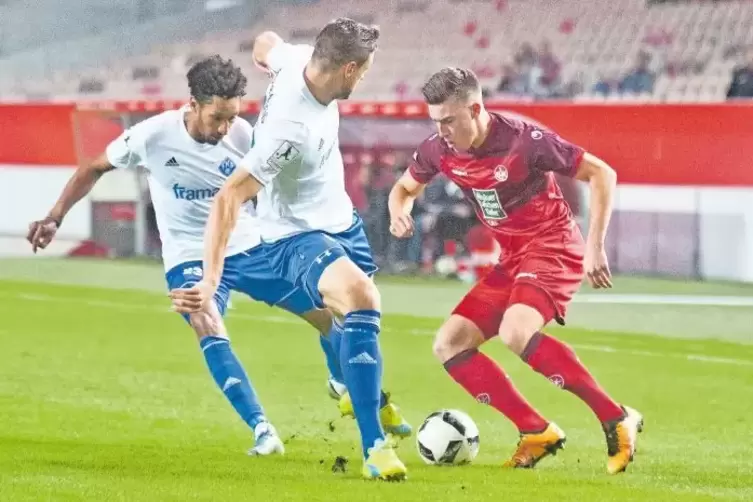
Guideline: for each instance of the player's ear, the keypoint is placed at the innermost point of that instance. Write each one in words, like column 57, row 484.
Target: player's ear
column 475, row 110
column 193, row 104
column 351, row 68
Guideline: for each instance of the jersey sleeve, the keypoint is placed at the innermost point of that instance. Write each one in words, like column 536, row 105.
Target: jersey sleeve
column 423, row 166
column 549, row 152
column 129, row 149
column 284, row 54
column 274, row 148
column 241, row 135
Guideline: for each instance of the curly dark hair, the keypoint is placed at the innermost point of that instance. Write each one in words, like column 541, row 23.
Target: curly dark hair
column 215, row 76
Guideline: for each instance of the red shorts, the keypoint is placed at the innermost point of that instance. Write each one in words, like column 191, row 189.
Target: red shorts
column 544, row 274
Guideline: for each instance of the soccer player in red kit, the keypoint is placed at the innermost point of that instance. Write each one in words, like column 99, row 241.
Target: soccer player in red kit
column 505, row 167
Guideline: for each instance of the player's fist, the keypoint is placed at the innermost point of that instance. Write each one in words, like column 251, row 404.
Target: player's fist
column 41, row 233
column 197, row 298
column 597, row 267
column 402, row 226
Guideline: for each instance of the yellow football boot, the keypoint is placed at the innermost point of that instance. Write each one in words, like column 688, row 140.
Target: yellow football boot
column 533, row 447
column 622, row 436
column 392, row 420
column 383, row 464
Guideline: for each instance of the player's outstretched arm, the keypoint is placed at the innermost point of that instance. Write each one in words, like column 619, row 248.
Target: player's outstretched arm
column 402, row 197
column 263, row 44
column 41, row 232
column 239, row 188
column 603, row 181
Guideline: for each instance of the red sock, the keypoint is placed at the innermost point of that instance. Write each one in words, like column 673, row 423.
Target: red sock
column 556, row 361
column 483, row 379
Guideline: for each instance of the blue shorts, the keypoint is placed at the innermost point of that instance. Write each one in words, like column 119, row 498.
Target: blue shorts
column 301, row 259
column 249, row 273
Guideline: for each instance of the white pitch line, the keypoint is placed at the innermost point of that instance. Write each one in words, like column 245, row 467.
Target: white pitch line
column 418, row 332
column 688, row 300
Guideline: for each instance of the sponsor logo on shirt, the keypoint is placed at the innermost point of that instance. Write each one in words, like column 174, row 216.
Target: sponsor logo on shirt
column 184, row 193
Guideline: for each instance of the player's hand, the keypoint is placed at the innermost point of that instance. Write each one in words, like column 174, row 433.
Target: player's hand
column 41, row 233
column 197, row 298
column 402, row 226
column 597, row 268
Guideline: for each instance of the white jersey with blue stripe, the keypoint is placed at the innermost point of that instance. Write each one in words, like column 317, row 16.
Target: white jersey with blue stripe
column 296, row 154
column 184, row 176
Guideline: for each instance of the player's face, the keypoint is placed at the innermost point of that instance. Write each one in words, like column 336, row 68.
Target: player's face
column 214, row 119
column 456, row 122
column 352, row 74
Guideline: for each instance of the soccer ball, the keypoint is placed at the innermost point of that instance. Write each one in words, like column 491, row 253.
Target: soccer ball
column 445, row 265
column 448, row 437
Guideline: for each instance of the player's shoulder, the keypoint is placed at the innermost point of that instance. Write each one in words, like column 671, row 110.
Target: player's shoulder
column 513, row 125
column 430, row 149
column 285, row 55
column 241, row 134
column 282, row 127
column 157, row 127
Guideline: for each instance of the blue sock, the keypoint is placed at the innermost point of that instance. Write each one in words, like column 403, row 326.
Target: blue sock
column 331, row 346
column 231, row 378
column 362, row 369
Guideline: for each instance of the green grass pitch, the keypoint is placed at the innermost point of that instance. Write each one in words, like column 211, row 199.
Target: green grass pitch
column 104, row 396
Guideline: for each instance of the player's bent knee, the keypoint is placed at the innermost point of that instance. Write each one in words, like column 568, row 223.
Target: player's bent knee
column 519, row 324
column 205, row 324
column 346, row 288
column 363, row 294
column 455, row 336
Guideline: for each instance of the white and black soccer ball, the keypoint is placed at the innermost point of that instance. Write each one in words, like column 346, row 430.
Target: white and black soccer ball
column 448, row 437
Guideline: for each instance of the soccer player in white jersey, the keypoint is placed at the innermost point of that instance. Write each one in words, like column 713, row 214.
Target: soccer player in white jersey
column 310, row 231
column 188, row 154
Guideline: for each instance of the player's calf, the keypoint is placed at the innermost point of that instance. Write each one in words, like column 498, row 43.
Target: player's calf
column 348, row 290
column 480, row 376
column 228, row 372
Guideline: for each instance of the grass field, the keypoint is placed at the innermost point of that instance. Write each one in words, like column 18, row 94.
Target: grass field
column 104, row 396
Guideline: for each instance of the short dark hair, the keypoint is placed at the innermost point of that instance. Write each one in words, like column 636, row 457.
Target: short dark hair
column 344, row 40
column 215, row 76
column 450, row 83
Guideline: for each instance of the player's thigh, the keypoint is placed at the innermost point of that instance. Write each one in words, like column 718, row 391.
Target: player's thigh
column 549, row 274
column 485, row 304
column 252, row 274
column 319, row 264
column 356, row 245
column 210, row 322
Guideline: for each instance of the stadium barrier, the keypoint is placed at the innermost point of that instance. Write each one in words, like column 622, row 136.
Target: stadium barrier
column 684, row 205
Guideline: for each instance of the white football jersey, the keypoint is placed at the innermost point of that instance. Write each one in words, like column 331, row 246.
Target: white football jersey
column 296, row 154
column 183, row 177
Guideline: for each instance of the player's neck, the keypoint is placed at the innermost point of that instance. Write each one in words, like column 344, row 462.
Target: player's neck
column 485, row 122
column 190, row 126
column 317, row 81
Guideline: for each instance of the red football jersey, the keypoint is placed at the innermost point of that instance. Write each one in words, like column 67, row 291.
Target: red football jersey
column 509, row 178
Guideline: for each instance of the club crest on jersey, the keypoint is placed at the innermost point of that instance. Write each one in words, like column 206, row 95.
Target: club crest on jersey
column 536, row 134
column 227, row 166
column 500, row 173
